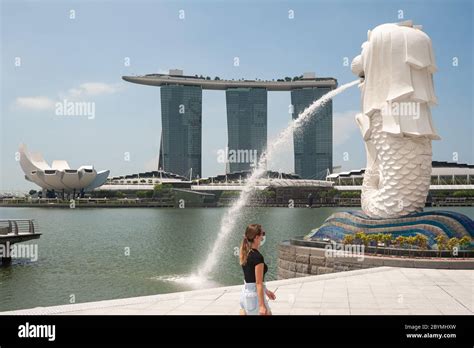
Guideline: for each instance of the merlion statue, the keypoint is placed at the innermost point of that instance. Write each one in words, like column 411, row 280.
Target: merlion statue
column 396, row 67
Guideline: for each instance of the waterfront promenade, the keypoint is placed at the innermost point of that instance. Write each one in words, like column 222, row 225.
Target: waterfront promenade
column 383, row 290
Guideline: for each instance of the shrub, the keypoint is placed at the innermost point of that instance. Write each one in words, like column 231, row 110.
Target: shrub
column 350, row 194
column 230, row 194
column 463, row 193
column 142, row 194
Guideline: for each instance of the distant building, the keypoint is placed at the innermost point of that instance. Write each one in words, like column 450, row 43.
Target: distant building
column 241, row 177
column 144, row 181
column 444, row 176
column 181, row 119
column 283, row 189
column 313, row 143
column 58, row 176
column 181, row 110
column 246, row 127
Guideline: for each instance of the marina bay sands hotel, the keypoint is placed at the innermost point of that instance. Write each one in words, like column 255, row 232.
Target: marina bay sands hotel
column 181, row 117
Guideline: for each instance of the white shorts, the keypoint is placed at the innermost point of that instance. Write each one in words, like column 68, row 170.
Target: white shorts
column 249, row 299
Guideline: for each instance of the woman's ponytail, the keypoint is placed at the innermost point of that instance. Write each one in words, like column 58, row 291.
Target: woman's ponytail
column 244, row 251
column 251, row 232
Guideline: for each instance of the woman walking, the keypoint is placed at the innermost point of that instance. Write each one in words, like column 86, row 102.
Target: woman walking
column 252, row 298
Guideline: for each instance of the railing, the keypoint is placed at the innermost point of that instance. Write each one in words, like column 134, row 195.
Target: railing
column 18, row 226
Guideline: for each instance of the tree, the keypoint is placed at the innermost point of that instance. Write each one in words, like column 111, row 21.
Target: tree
column 442, row 242
column 32, row 192
column 453, row 243
column 411, row 241
column 379, row 238
column 365, row 240
column 372, row 239
column 387, row 239
column 400, row 241
column 421, row 241
column 465, row 242
column 359, row 236
column 348, row 239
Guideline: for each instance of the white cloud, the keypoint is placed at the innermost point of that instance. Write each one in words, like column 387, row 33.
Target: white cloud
column 93, row 89
column 87, row 89
column 344, row 126
column 34, row 103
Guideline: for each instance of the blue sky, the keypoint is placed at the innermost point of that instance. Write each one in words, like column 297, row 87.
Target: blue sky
column 84, row 58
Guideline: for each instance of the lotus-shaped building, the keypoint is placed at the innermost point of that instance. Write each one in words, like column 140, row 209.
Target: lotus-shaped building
column 59, row 176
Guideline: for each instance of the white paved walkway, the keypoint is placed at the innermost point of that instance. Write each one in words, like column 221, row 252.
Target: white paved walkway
column 384, row 290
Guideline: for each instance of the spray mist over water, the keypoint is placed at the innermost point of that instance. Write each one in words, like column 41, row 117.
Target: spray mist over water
column 232, row 214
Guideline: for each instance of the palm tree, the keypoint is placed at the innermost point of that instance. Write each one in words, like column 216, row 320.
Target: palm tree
column 387, row 239
column 375, row 238
column 441, row 243
column 365, row 240
column 380, row 237
column 465, row 242
column 421, row 241
column 453, row 243
column 400, row 241
column 359, row 236
column 348, row 239
column 411, row 242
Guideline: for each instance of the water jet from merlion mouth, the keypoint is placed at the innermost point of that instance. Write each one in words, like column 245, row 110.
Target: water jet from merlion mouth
column 231, row 215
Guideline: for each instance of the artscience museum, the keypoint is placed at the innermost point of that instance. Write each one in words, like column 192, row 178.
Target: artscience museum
column 59, row 177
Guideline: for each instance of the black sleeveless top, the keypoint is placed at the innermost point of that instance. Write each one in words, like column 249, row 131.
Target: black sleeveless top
column 253, row 260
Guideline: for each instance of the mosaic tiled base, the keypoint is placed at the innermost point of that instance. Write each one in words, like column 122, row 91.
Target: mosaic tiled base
column 431, row 224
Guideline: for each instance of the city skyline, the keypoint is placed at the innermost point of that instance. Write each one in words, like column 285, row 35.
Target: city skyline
column 85, row 61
